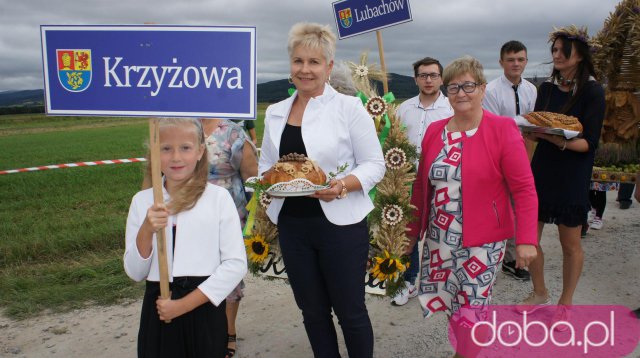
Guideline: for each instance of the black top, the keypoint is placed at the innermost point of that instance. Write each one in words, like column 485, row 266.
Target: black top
column 299, row 206
column 562, row 177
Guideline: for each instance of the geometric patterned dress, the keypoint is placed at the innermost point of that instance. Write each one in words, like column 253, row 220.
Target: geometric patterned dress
column 453, row 276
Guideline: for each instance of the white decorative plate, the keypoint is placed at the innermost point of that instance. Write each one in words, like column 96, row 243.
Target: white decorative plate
column 555, row 131
column 295, row 187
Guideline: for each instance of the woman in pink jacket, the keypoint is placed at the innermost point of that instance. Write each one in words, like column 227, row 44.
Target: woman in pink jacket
column 471, row 164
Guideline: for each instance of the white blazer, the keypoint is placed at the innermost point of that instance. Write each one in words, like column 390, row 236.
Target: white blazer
column 208, row 243
column 336, row 129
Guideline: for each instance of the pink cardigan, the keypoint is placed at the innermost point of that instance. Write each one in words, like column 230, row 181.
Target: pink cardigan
column 494, row 165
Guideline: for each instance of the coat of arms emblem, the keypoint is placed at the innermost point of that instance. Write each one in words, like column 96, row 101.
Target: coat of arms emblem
column 345, row 17
column 74, row 69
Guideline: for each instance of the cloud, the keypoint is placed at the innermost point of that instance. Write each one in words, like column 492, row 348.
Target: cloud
column 442, row 29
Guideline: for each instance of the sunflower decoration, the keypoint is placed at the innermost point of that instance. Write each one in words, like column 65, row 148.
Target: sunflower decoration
column 392, row 214
column 361, row 71
column 257, row 248
column 392, row 207
column 376, row 106
column 388, row 267
column 265, row 200
column 395, row 158
column 261, row 242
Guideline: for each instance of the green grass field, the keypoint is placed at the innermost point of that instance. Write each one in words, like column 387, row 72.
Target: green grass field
column 62, row 230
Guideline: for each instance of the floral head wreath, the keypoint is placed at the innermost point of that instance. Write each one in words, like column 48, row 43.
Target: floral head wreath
column 571, row 32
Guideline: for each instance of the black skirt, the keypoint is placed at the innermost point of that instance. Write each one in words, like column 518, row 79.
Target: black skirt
column 199, row 333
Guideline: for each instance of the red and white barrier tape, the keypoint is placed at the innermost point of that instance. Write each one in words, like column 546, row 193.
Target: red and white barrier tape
column 73, row 165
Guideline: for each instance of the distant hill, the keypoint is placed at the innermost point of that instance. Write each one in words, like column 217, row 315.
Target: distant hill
column 22, row 98
column 275, row 91
column 403, row 87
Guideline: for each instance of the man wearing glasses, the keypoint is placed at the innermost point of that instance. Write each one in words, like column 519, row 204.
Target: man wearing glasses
column 416, row 114
column 511, row 95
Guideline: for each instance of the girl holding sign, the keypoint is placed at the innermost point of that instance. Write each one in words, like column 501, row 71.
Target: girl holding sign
column 205, row 250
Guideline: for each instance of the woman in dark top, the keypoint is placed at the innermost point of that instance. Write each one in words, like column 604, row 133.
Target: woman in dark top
column 561, row 167
column 324, row 236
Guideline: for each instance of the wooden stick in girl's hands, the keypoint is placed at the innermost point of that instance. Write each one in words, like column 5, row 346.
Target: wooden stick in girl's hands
column 156, row 180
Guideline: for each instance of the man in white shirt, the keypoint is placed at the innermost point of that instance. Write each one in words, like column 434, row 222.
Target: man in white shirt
column 511, row 95
column 428, row 106
column 416, row 114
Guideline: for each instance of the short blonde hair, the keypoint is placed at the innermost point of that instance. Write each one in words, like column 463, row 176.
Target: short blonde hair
column 315, row 36
column 462, row 66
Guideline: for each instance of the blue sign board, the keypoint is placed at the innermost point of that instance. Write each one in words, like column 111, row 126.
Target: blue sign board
column 159, row 71
column 355, row 17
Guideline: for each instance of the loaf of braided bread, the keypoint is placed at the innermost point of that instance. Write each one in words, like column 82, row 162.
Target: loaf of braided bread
column 293, row 166
column 554, row 120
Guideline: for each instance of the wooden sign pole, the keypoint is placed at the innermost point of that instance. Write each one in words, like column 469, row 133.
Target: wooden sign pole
column 156, row 180
column 385, row 85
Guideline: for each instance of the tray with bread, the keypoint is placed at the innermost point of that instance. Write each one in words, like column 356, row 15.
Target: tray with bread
column 293, row 175
column 550, row 123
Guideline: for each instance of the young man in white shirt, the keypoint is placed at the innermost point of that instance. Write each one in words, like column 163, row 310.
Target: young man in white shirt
column 511, row 95
column 429, row 105
column 416, row 114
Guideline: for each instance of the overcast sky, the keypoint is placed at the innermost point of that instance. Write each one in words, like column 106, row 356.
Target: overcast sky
column 442, row 29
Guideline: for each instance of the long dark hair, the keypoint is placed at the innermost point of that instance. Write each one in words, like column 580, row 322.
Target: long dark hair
column 584, row 71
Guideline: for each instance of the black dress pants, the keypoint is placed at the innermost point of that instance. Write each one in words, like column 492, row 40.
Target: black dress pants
column 326, row 266
column 624, row 194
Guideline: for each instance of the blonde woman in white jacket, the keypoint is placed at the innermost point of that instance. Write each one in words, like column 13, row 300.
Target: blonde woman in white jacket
column 324, row 236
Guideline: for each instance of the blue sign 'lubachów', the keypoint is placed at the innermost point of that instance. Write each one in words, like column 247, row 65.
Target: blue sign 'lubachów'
column 354, row 17
column 150, row 71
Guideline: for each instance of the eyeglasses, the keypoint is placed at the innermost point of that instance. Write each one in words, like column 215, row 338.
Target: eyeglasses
column 423, row 76
column 467, row 87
